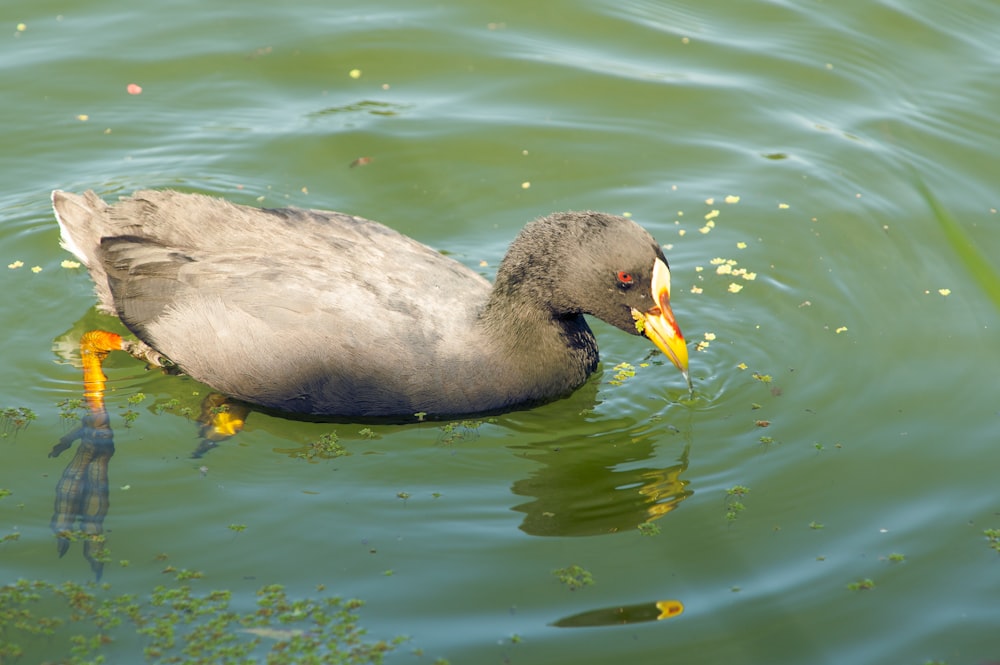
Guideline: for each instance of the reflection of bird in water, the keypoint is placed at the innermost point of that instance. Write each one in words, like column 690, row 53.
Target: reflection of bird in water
column 321, row 313
column 664, row 489
column 623, row 614
column 581, row 488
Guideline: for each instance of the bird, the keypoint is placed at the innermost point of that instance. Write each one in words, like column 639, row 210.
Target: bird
column 323, row 314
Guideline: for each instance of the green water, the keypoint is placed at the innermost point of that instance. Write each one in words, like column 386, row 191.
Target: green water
column 871, row 311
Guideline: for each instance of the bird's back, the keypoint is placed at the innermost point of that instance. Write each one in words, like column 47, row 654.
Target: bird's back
column 298, row 310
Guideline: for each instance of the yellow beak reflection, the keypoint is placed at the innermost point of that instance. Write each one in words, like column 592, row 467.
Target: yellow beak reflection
column 658, row 322
column 623, row 614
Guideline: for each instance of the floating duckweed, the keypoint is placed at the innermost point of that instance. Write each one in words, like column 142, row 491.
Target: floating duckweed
column 327, row 446
column 69, row 409
column 179, row 625
column 862, row 585
column 184, row 575
column 623, row 372
column 465, row 429
column 15, row 419
column 130, row 416
column 993, row 538
column 649, row 529
column 169, row 405
column 574, row 577
column 734, row 501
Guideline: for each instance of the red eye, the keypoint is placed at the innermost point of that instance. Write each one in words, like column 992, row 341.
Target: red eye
column 625, row 278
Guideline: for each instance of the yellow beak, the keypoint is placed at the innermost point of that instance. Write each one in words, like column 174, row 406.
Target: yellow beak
column 658, row 322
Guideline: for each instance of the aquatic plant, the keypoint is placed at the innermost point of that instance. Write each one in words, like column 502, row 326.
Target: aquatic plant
column 15, row 419
column 462, row 430
column 177, row 624
column 648, row 529
column 327, row 446
column 574, row 577
column 734, row 501
column 993, row 538
column 862, row 585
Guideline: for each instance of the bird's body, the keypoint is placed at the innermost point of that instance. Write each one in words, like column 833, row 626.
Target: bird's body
column 323, row 313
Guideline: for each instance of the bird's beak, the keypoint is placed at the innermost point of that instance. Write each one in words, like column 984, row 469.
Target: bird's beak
column 658, row 322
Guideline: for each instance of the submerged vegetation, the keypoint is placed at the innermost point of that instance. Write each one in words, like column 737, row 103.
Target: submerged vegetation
column 176, row 624
column 128, row 415
column 734, row 501
column 977, row 262
column 15, row 419
column 88, row 623
column 13, row 535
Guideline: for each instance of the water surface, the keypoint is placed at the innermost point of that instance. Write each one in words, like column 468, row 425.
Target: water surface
column 865, row 342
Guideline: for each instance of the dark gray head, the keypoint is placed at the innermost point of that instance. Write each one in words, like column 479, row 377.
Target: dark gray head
column 574, row 263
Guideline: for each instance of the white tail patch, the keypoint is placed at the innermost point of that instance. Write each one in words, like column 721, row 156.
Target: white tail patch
column 65, row 237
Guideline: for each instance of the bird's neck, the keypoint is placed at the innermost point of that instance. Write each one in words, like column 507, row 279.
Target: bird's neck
column 529, row 333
